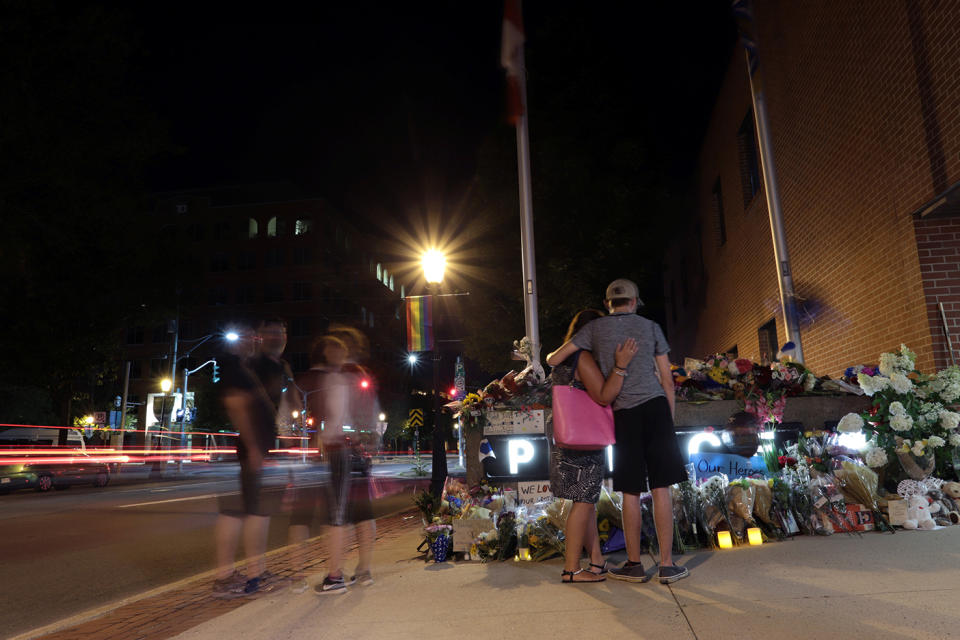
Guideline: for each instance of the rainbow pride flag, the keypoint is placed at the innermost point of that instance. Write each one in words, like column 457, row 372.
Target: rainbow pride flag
column 419, row 323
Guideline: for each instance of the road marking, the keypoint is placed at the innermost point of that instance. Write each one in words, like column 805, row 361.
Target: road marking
column 143, row 504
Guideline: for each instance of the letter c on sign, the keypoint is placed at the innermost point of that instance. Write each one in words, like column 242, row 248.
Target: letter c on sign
column 519, row 452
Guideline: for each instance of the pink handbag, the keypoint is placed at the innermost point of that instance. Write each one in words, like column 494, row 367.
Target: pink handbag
column 578, row 421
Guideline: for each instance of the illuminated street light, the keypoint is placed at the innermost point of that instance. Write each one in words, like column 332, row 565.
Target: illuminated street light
column 232, row 336
column 382, row 417
column 434, row 263
column 166, row 385
column 412, row 359
column 88, row 419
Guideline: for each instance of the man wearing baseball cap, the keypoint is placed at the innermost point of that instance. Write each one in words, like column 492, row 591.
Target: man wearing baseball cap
column 646, row 454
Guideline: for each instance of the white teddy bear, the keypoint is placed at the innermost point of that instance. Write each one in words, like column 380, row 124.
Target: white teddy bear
column 918, row 514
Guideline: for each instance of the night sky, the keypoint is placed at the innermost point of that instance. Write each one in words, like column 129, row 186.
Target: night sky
column 356, row 101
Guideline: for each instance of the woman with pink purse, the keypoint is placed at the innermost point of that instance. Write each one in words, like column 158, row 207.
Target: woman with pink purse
column 576, row 474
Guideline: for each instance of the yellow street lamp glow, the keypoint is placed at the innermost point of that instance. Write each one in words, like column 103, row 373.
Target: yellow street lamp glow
column 382, row 417
column 754, row 536
column 88, row 419
column 165, row 385
column 724, row 540
column 295, row 414
column 434, row 263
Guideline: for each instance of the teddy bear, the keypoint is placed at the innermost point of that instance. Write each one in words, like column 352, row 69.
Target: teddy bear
column 918, row 514
column 946, row 512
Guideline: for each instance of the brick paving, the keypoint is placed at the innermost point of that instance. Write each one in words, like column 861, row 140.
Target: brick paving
column 171, row 613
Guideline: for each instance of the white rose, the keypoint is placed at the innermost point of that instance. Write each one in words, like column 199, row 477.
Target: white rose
column 949, row 420
column 850, row 423
column 935, row 441
column 896, row 408
column 876, row 457
column 955, row 439
column 872, row 384
column 901, row 383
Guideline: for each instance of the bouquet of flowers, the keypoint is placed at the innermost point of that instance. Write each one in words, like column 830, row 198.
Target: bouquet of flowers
column 714, row 515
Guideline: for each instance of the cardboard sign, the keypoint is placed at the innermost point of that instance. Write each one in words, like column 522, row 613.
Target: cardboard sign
column 465, row 531
column 897, row 512
column 711, row 464
column 501, row 423
column 533, row 492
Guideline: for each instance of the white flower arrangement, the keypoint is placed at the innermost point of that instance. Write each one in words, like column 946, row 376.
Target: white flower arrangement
column 917, row 448
column 850, row 423
column 949, row 420
column 935, row 442
column 955, row 439
column 901, row 422
column 901, row 383
column 897, row 409
column 876, row 457
column 872, row 384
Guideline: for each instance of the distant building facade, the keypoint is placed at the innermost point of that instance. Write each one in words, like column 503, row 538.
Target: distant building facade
column 864, row 108
column 252, row 254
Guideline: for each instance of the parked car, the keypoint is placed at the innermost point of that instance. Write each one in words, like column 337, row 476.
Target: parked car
column 360, row 458
column 78, row 468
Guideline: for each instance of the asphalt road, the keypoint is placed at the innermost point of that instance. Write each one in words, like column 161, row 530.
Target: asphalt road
column 65, row 552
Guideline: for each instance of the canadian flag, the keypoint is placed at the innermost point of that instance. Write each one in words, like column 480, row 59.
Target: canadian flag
column 511, row 57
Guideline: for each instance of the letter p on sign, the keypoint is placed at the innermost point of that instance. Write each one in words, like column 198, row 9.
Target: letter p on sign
column 519, row 452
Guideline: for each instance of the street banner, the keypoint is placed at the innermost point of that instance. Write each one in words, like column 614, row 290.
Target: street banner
column 419, row 323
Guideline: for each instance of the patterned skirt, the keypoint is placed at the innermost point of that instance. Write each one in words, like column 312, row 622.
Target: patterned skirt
column 576, row 475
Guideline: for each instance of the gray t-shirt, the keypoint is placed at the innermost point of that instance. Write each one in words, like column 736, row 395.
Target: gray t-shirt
column 602, row 336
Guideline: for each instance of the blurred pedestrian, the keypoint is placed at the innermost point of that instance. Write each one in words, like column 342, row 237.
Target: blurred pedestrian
column 575, row 474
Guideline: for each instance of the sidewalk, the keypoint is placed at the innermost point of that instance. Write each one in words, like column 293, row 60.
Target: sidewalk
column 905, row 585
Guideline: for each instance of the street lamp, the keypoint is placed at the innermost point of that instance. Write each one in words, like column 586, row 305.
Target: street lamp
column 434, row 263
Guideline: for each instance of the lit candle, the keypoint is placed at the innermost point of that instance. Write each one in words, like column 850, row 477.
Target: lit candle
column 754, row 536
column 724, row 540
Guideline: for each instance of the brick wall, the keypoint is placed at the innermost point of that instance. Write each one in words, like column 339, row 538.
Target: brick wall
column 938, row 248
column 864, row 107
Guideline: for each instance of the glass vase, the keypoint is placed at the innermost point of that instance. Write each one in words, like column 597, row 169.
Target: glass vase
column 917, row 467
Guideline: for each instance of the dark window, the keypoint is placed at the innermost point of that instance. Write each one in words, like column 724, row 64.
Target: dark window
column 273, row 292
column 301, row 291
column 136, row 369
column 767, row 335
column 195, row 232
column 299, row 362
column 245, row 294
column 247, row 260
column 274, row 258
column 182, row 208
column 302, row 227
column 302, row 256
column 156, row 367
column 749, row 159
column 188, row 329
column 253, row 229
column 217, row 296
column 718, row 217
column 135, row 335
column 276, row 227
column 160, row 334
column 222, row 231
column 300, row 327
column 219, row 262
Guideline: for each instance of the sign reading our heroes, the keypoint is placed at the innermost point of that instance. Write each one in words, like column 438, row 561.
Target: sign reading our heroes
column 734, row 466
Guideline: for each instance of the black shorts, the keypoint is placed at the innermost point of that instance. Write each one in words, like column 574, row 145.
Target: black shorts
column 250, row 501
column 647, row 453
column 348, row 497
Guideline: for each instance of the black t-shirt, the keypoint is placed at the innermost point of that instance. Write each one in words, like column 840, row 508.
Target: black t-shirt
column 239, row 376
column 272, row 375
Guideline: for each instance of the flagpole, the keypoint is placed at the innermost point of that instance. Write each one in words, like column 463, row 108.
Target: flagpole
column 742, row 10
column 527, row 240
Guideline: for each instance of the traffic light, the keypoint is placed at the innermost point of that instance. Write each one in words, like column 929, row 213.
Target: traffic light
column 216, row 372
column 364, row 384
column 453, row 392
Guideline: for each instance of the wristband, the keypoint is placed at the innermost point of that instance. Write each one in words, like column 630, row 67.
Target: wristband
column 621, row 372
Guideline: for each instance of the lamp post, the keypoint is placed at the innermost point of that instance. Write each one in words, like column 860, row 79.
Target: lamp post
column 434, row 263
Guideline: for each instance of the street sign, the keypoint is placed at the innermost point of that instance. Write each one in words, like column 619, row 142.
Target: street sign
column 416, row 417
column 460, row 378
column 114, row 418
column 100, row 417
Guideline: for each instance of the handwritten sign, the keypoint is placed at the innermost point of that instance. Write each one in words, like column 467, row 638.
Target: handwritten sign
column 465, row 531
column 514, row 422
column 533, row 492
column 711, row 464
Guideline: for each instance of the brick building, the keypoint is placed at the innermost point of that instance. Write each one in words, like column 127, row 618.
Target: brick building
column 256, row 252
column 864, row 109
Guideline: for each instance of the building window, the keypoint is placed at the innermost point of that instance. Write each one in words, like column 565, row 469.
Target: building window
column 217, row 296
column 135, row 335
column 245, row 294
column 273, row 292
column 276, row 227
column 302, row 256
column 749, row 159
column 221, row 231
column 403, row 292
column 391, row 283
column 188, row 329
column 136, row 370
column 299, row 362
column 767, row 335
column 182, row 208
column 253, row 228
column 363, row 315
column 302, row 227
column 219, row 262
column 379, row 272
column 716, row 201
column 386, row 278
column 370, row 319
column 247, row 260
column 274, row 258
column 195, row 232
column 301, row 291
column 300, row 327
column 156, row 367
column 160, row 334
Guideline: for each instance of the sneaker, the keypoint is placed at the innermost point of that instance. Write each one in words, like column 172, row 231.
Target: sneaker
column 672, row 574
column 331, row 585
column 363, row 577
column 629, row 572
column 230, row 587
column 298, row 585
